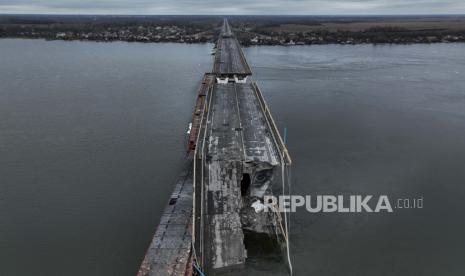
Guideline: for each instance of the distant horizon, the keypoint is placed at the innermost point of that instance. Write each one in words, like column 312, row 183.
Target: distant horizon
column 180, row 14
column 237, row 7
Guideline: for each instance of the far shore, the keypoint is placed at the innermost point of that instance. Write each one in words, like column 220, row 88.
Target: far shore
column 261, row 30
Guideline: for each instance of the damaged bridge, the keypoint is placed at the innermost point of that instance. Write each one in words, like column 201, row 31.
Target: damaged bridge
column 236, row 158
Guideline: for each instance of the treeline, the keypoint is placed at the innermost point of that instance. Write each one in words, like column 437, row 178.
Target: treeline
column 375, row 35
column 52, row 26
column 250, row 30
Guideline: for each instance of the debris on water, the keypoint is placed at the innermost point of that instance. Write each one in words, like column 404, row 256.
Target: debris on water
column 258, row 206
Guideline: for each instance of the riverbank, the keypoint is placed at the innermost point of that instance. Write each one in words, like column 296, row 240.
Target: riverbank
column 371, row 36
column 261, row 30
column 341, row 39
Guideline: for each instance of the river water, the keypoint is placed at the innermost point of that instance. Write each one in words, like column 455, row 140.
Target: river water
column 92, row 138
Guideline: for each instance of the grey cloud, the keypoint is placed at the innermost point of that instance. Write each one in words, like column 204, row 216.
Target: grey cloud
column 234, row 7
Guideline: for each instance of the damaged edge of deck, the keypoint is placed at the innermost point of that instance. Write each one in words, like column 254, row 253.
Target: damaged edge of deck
column 272, row 125
column 170, row 251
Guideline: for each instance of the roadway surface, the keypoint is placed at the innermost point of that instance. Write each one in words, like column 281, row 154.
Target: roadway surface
column 229, row 58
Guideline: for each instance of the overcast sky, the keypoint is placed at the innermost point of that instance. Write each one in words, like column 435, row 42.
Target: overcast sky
column 310, row 7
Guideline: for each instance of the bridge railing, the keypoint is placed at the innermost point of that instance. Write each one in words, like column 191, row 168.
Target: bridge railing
column 198, row 178
column 272, row 125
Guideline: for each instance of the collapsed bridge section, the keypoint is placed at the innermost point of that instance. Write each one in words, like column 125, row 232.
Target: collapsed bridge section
column 237, row 162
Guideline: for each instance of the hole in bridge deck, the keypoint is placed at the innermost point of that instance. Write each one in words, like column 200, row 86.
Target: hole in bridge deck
column 245, row 184
column 173, row 200
column 261, row 246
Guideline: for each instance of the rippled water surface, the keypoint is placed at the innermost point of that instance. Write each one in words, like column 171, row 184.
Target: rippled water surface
column 92, row 137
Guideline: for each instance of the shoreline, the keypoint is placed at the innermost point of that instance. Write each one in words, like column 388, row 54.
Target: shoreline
column 245, row 46
column 274, row 30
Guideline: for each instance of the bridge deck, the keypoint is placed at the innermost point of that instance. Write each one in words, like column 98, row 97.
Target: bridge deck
column 229, row 58
column 237, row 133
column 237, row 126
column 226, row 29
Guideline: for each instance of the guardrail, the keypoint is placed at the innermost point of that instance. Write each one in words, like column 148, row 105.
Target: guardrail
column 243, row 59
column 198, row 171
column 271, row 123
